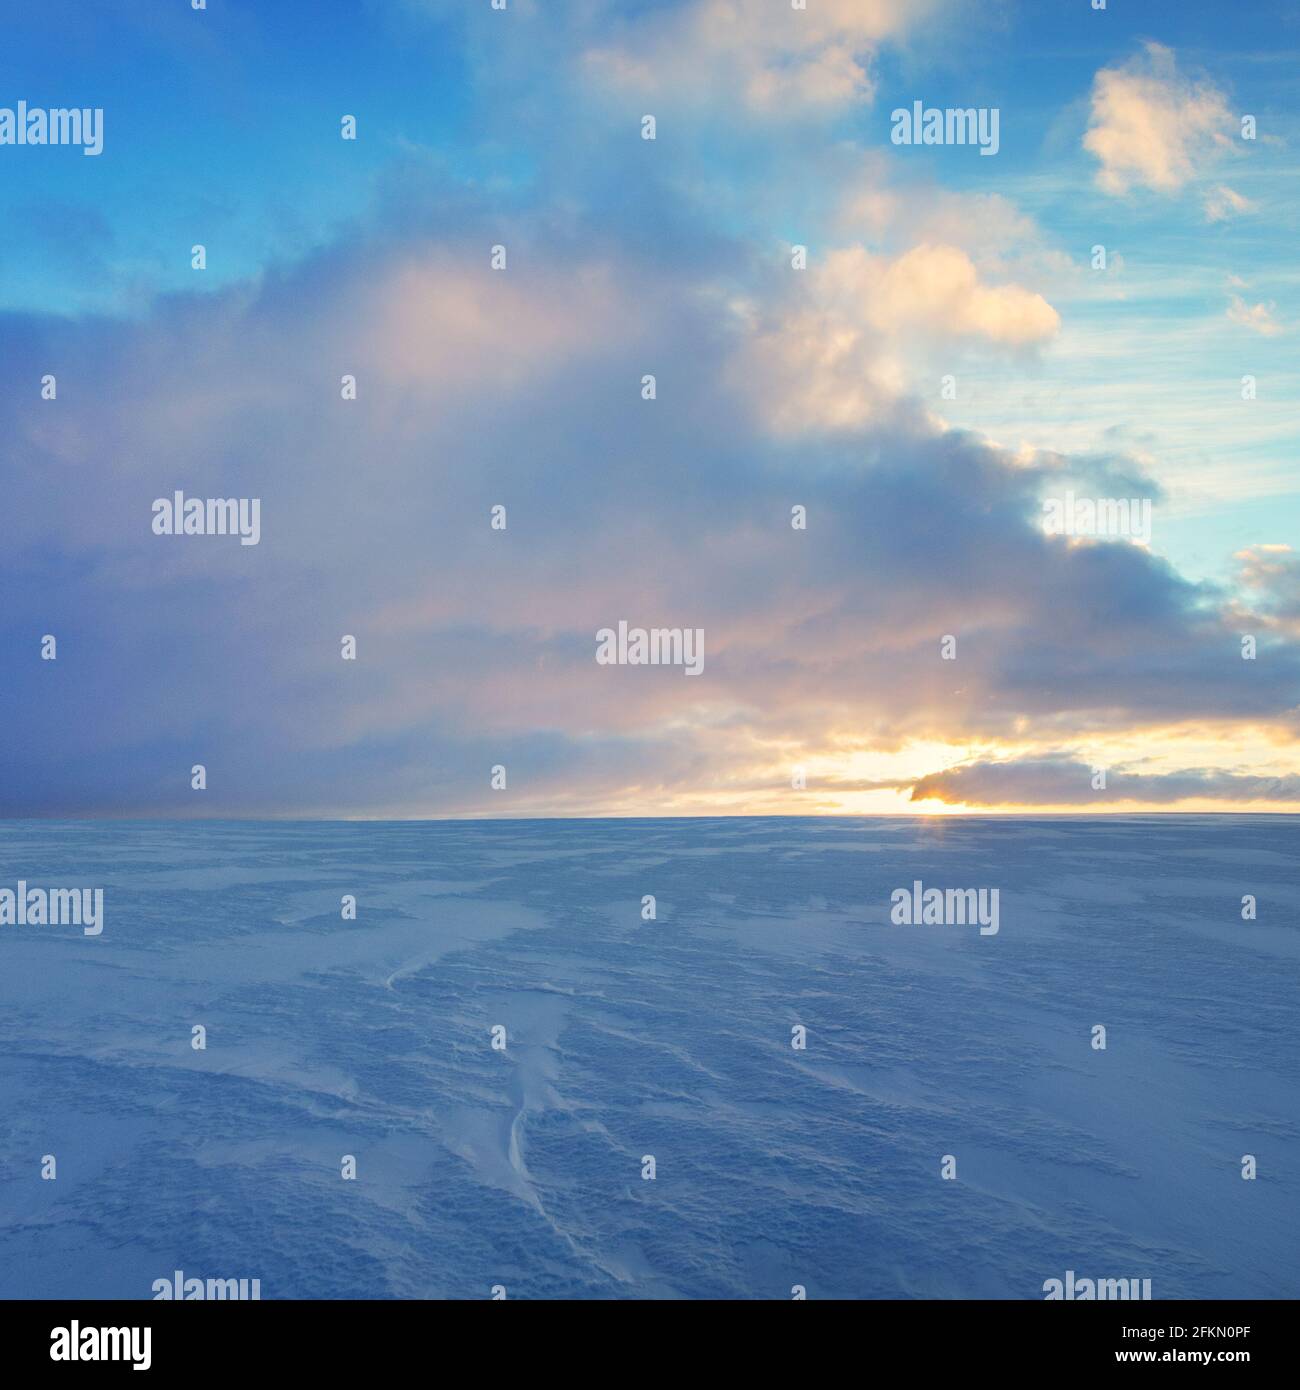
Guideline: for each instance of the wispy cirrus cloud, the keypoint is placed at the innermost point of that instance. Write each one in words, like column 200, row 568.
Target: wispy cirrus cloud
column 1222, row 202
column 1259, row 318
column 772, row 58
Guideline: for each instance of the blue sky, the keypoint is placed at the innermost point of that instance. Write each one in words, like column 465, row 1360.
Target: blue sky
column 776, row 387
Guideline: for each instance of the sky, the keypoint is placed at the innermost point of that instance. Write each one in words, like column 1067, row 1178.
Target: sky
column 877, row 365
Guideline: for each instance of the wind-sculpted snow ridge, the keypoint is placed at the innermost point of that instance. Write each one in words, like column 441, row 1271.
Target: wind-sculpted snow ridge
column 774, row 1166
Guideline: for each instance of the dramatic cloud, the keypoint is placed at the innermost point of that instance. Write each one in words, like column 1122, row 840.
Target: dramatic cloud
column 477, row 647
column 1152, row 127
column 779, row 395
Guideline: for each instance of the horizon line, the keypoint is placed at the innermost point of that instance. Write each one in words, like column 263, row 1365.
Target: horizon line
column 983, row 814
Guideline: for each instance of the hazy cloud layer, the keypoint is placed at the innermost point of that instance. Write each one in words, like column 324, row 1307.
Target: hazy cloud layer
column 1067, row 782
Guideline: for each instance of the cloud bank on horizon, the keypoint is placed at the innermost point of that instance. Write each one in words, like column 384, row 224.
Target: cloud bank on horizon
column 503, row 373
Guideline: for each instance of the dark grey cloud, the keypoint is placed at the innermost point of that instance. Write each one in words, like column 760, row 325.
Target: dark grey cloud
column 1065, row 781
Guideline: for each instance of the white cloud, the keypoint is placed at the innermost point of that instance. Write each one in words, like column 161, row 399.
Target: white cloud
column 836, row 358
column 937, row 288
column 1151, row 127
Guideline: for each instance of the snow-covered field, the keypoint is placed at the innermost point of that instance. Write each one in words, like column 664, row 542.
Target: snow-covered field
column 775, row 1166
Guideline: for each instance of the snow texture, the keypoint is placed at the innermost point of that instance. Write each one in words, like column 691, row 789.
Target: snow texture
column 775, row 1167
